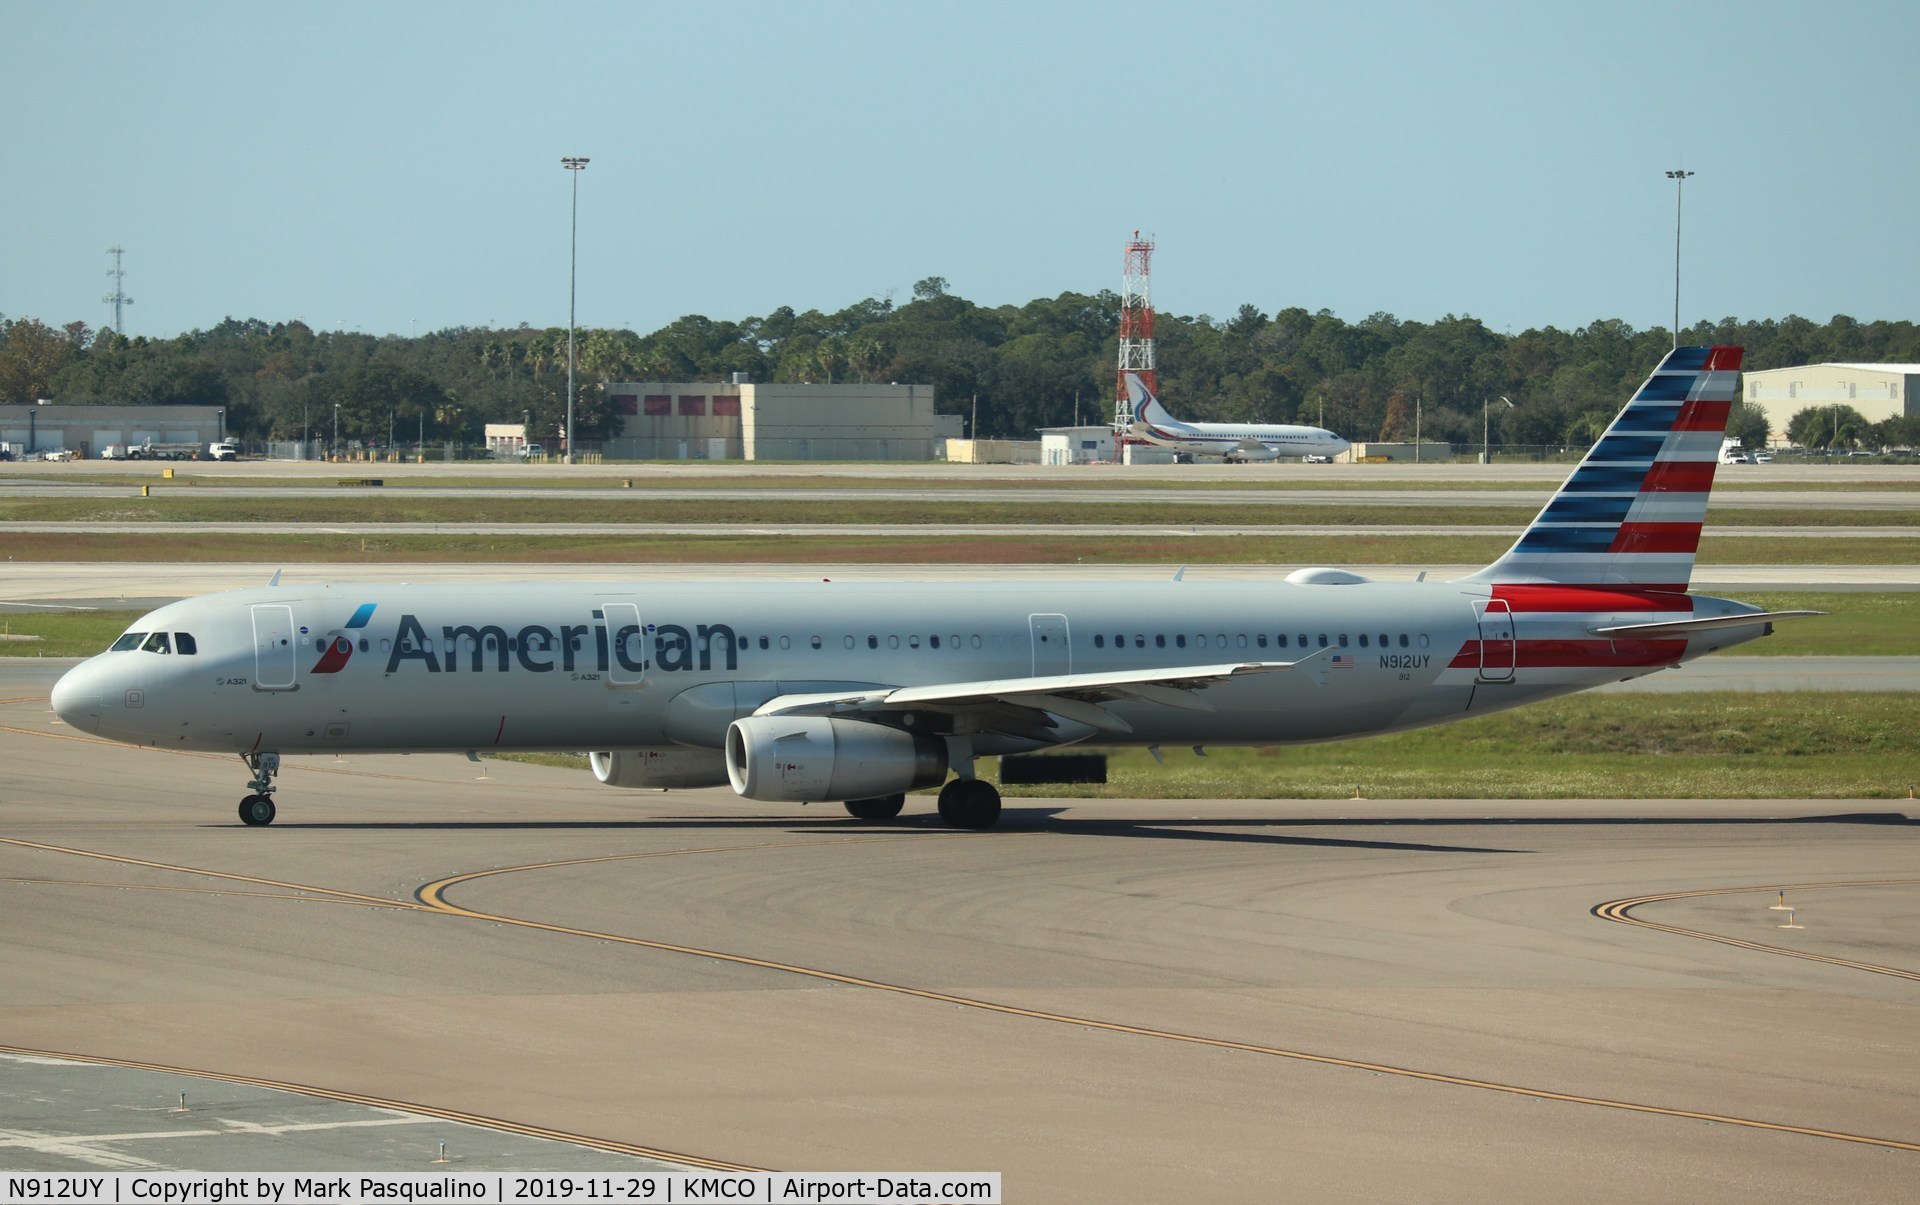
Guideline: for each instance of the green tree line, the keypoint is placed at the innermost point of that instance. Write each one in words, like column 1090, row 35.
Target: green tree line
column 1022, row 367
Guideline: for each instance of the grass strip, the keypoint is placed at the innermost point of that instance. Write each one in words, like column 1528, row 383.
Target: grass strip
column 1840, row 745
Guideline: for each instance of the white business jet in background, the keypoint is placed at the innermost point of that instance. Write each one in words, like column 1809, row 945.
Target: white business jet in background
column 1228, row 441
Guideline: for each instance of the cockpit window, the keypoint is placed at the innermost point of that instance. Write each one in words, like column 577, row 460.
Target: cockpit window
column 183, row 643
column 130, row 640
column 157, row 643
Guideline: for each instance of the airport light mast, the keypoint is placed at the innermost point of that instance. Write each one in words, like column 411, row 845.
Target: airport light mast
column 1136, row 328
column 1679, row 178
column 574, row 164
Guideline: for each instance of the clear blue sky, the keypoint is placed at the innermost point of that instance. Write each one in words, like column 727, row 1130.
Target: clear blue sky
column 392, row 167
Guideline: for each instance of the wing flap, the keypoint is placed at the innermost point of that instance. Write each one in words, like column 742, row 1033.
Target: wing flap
column 1168, row 686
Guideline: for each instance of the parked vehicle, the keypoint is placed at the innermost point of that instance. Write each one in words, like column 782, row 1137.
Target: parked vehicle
column 223, row 451
column 150, row 450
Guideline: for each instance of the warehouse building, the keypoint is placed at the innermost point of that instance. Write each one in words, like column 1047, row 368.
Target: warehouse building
column 85, row 430
column 738, row 420
column 1877, row 391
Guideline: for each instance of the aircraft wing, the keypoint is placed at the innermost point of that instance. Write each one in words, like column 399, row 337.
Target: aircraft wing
column 1026, row 702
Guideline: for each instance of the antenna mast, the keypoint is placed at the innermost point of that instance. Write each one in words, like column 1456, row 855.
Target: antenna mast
column 1136, row 327
column 118, row 299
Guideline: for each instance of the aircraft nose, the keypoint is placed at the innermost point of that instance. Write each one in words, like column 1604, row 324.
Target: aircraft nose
column 76, row 697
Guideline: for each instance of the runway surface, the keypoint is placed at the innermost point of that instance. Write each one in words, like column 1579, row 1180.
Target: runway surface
column 1105, row 1000
column 1463, row 494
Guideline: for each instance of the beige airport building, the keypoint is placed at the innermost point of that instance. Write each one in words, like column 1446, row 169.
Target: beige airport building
column 85, row 430
column 1877, row 391
column 739, row 420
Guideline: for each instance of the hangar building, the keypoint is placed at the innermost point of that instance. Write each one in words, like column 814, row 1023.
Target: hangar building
column 1877, row 391
column 738, row 420
column 84, row 430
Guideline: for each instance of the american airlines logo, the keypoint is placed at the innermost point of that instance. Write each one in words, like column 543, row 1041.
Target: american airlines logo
column 340, row 645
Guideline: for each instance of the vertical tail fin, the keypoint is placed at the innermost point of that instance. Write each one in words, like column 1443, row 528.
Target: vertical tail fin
column 1147, row 410
column 1631, row 513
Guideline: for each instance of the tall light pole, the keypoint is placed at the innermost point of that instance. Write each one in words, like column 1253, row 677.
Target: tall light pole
column 575, row 164
column 1679, row 178
column 1486, row 449
column 334, row 450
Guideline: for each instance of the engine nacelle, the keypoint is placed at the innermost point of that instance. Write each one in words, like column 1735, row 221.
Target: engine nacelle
column 804, row 759
column 660, row 768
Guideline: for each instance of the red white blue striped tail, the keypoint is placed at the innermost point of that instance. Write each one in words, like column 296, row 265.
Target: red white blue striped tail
column 1630, row 515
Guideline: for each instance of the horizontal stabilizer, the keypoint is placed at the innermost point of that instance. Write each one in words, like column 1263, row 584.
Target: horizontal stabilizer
column 1680, row 627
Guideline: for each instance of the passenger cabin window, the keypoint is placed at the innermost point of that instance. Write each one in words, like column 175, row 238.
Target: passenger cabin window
column 130, row 640
column 157, row 643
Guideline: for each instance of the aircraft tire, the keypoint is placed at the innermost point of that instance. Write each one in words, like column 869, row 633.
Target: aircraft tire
column 886, row 807
column 257, row 810
column 970, row 803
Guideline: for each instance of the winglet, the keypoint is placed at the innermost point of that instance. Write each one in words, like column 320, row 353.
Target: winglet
column 275, row 579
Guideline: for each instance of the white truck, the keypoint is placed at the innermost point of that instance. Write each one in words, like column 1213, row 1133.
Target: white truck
column 150, row 450
column 222, row 451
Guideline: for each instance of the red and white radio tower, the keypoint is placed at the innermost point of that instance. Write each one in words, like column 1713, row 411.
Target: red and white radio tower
column 1136, row 327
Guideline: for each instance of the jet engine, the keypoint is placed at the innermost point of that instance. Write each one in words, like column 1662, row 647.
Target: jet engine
column 660, row 768
column 803, row 759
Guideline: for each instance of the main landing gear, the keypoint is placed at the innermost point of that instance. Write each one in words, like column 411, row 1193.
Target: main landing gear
column 257, row 808
column 970, row 803
column 964, row 803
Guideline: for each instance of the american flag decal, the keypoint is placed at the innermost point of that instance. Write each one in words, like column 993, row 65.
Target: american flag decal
column 1342, row 661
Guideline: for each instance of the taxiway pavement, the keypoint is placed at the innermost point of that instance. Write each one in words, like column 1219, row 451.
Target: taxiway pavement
column 1104, row 1000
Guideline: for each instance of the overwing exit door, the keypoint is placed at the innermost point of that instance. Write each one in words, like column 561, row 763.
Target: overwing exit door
column 626, row 645
column 1051, row 653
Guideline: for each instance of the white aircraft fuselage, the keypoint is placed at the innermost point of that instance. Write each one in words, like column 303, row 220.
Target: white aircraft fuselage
column 609, row 666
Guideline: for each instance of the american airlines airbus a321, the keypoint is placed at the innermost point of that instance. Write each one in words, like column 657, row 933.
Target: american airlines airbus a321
column 1228, row 441
column 797, row 692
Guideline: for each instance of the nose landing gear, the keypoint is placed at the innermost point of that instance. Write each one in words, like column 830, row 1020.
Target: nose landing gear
column 257, row 808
